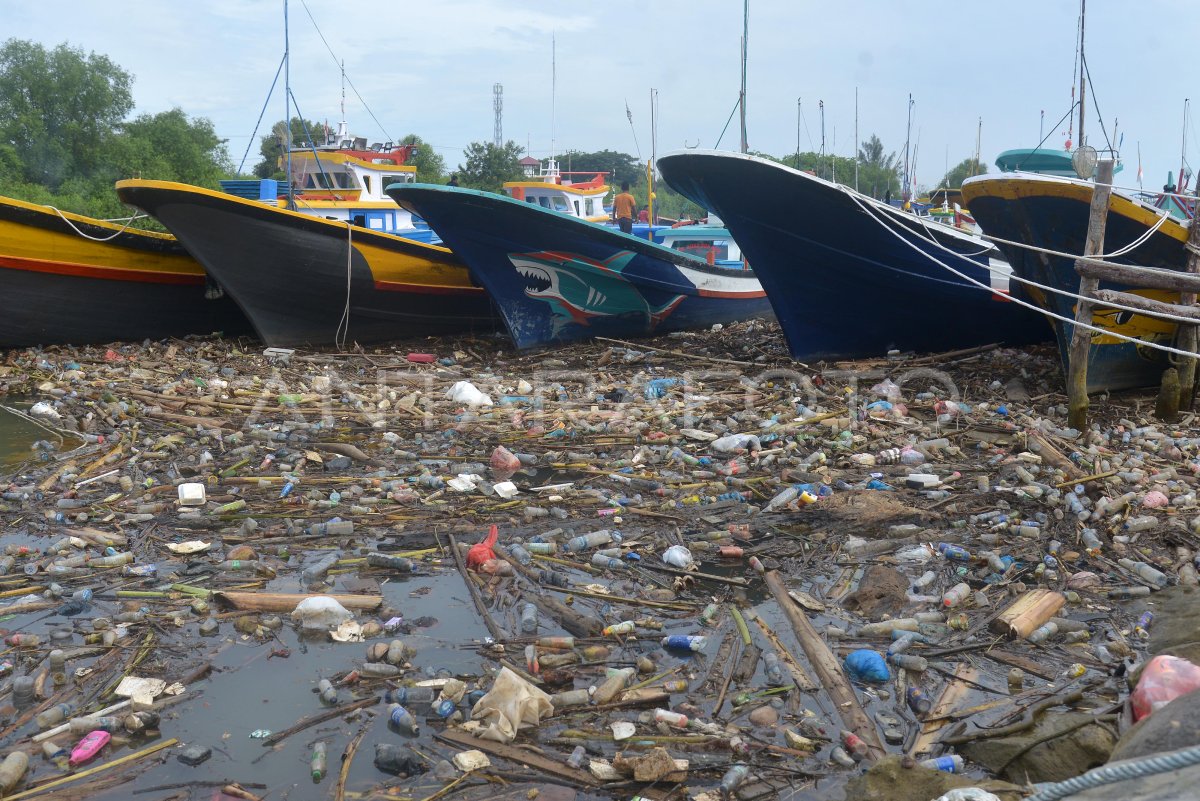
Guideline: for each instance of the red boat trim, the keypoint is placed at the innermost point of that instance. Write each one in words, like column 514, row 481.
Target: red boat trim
column 104, row 273
column 716, row 293
column 426, row 289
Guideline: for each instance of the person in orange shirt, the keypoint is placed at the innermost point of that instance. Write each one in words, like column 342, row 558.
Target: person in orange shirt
column 623, row 205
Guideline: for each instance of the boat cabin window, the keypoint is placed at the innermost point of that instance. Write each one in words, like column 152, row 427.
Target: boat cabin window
column 360, row 220
column 544, row 201
column 367, row 183
column 327, row 180
column 700, row 248
column 578, row 213
column 559, row 203
column 402, row 178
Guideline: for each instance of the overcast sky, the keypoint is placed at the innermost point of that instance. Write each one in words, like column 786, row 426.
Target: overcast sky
column 428, row 68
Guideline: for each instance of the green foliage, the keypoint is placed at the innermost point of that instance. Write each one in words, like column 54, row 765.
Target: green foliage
column 59, row 108
column 170, row 147
column 65, row 139
column 961, row 171
column 487, row 166
column 272, row 146
column 619, row 166
column 877, row 173
column 829, row 167
column 431, row 168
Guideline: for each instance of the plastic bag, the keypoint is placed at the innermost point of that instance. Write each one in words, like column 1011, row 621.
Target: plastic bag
column 967, row 794
column 503, row 461
column 1164, row 679
column 321, row 612
column 469, row 394
column 678, row 556
column 510, row 704
column 736, row 443
column 866, row 665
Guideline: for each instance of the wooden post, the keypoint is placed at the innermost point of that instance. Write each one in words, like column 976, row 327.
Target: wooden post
column 1077, row 354
column 1187, row 338
column 827, row 668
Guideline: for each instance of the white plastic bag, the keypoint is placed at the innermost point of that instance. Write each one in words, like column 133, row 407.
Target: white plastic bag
column 735, row 443
column 968, row 794
column 467, row 393
column 510, row 704
column 678, row 556
column 44, row 409
column 321, row 612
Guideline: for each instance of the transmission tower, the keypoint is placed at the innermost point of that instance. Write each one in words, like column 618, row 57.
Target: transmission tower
column 498, row 105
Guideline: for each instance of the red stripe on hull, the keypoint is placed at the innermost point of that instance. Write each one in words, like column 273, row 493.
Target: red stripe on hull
column 715, row 293
column 104, row 273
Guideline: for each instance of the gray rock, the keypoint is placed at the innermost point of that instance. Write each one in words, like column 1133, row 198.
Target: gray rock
column 1053, row 759
column 1176, row 629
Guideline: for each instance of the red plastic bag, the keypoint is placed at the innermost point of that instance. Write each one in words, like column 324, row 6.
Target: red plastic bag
column 503, row 460
column 1164, row 679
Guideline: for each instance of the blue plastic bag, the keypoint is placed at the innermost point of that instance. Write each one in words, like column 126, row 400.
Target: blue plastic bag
column 866, row 665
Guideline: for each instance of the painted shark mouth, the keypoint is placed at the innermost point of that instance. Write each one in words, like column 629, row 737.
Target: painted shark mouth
column 537, row 280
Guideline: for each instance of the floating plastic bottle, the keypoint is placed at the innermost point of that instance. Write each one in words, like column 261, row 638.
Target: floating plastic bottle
column 733, row 778
column 12, row 769
column 956, row 594
column 611, row 686
column 607, row 562
column 1043, row 632
column 917, row 700
column 317, row 764
column 1145, row 571
column 776, row 675
column 951, row 763
column 685, row 642
column 577, row 756
column 593, row 540
column 676, row 719
column 917, row 664
column 54, row 715
column 529, row 619
column 954, row 553
column 854, row 744
column 403, row 720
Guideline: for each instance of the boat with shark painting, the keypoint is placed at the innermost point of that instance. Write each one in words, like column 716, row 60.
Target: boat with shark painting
column 557, row 278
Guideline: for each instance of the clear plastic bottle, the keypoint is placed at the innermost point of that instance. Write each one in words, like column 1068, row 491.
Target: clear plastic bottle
column 318, row 762
column 529, row 619
column 733, row 778
column 956, row 594
column 1043, row 632
column 773, row 667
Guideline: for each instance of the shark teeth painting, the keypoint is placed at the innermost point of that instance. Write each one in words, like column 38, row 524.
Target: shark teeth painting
column 578, row 288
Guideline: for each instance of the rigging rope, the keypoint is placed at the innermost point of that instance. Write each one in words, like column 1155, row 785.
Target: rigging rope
column 115, row 234
column 339, row 336
column 1022, row 302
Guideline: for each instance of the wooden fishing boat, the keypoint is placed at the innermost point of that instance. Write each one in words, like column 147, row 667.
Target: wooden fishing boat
column 556, row 278
column 305, row 280
column 67, row 278
column 848, row 276
column 1051, row 213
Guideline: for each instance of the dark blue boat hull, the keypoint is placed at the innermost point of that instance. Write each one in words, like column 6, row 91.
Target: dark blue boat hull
column 1054, row 215
column 558, row 279
column 841, row 284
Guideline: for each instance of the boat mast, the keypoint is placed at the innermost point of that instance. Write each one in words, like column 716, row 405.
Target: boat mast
column 742, row 94
column 821, row 105
column 553, row 91
column 978, row 139
column 1183, row 147
column 855, row 139
column 907, row 141
column 650, row 165
column 1082, row 70
column 287, row 107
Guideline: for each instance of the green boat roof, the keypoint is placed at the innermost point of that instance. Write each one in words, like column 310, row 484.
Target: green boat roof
column 1041, row 160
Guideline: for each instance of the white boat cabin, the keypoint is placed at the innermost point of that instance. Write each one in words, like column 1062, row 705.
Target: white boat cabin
column 557, row 190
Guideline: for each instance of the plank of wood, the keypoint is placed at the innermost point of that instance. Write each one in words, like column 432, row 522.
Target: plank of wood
column 951, row 696
column 519, row 755
column 799, row 675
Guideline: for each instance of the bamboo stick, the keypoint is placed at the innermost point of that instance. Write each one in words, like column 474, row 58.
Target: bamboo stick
column 286, row 601
column 145, row 752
